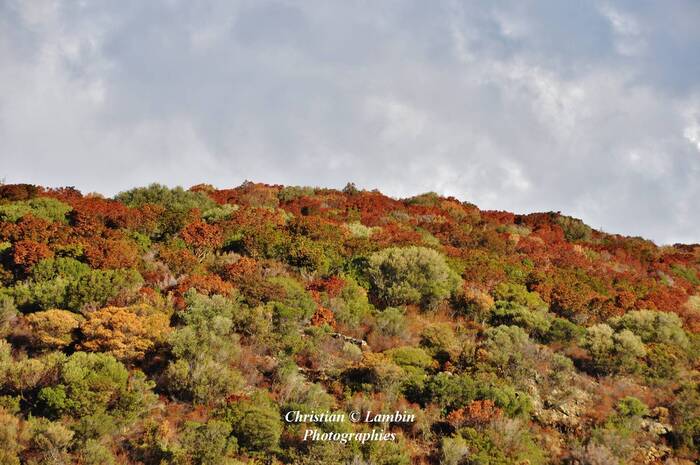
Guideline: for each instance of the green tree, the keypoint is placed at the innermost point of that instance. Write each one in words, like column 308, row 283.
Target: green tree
column 411, row 275
column 91, row 384
column 176, row 203
column 41, row 207
column 653, row 326
column 208, row 443
column 613, row 352
column 204, row 349
column 256, row 423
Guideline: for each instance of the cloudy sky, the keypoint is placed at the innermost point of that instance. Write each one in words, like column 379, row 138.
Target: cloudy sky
column 591, row 108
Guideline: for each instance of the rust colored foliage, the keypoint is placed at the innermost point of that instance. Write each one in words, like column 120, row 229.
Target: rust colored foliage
column 373, row 207
column 476, row 413
column 111, row 254
column 93, row 216
column 14, row 192
column 27, row 253
column 331, row 286
column 178, row 261
column 202, row 237
column 665, row 298
column 498, row 216
column 323, row 316
column 35, row 229
column 249, row 194
column 246, row 275
column 125, row 332
column 208, row 284
column 396, row 235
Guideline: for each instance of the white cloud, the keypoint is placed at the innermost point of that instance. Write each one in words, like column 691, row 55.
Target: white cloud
column 573, row 107
column 630, row 39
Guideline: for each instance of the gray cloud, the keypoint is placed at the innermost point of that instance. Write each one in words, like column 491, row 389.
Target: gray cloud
column 591, row 108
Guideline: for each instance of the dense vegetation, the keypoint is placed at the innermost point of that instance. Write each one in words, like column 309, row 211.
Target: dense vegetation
column 171, row 326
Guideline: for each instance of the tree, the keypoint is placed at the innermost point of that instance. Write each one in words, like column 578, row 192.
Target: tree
column 111, row 254
column 9, row 438
column 27, row 253
column 208, row 443
column 653, row 326
column 202, row 237
column 613, row 352
column 39, row 207
column 125, row 332
column 92, row 384
column 204, row 349
column 256, row 422
column 410, row 275
column 49, row 441
column 53, row 329
column 176, row 204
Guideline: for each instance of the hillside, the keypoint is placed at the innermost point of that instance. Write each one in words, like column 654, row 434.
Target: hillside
column 172, row 326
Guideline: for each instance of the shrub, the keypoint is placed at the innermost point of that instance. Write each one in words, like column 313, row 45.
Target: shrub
column 90, row 384
column 593, row 454
column 351, row 307
column 203, row 350
column 208, row 443
column 613, row 352
column 49, row 441
column 439, row 339
column 534, row 322
column 410, row 357
column 653, row 326
column 53, row 329
column 125, row 332
column 448, row 391
column 8, row 313
column 507, row 441
column 9, row 438
column 301, row 305
column 686, row 273
column 176, row 199
column 111, row 254
column 574, row 229
column 256, row 423
column 563, row 330
column 94, row 453
column 40, row 207
column 389, row 452
column 508, row 351
column 100, row 286
column 27, row 253
column 631, row 407
column 455, row 450
column 473, row 302
column 289, row 193
column 220, row 213
column 518, row 294
column 176, row 204
column 202, row 237
column 68, row 284
column 63, row 267
column 391, row 322
column 411, row 275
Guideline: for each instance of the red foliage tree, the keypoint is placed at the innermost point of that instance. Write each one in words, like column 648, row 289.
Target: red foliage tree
column 111, row 254
column 202, row 237
column 27, row 253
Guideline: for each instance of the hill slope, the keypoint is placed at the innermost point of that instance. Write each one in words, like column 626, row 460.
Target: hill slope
column 180, row 326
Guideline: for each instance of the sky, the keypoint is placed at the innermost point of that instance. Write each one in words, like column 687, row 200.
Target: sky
column 591, row 108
